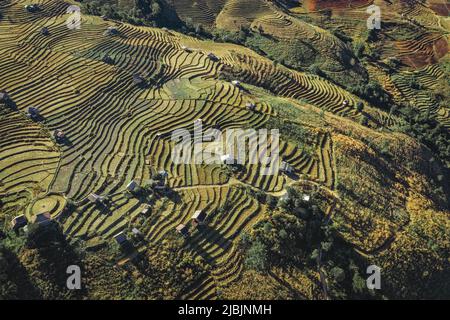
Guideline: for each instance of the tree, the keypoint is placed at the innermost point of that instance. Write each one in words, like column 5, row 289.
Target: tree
column 364, row 121
column 315, row 69
column 46, row 256
column 372, row 92
column 257, row 257
column 40, row 236
column 337, row 274
column 359, row 49
column 8, row 289
column 358, row 284
column 360, row 106
column 156, row 9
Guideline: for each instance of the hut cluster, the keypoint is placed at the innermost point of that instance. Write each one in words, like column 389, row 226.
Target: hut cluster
column 197, row 219
column 21, row 221
column 286, row 168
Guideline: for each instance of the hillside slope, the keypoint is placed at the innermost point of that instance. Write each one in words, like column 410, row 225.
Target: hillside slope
column 379, row 196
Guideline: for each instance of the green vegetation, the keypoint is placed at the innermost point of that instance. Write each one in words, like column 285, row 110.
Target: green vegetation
column 296, row 54
column 292, row 238
column 139, row 12
column 374, row 93
column 38, row 269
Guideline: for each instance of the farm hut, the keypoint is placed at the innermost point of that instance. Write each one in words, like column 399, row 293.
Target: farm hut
column 4, row 96
column 19, row 222
column 306, row 197
column 236, row 83
column 41, row 218
column 45, row 31
column 345, row 103
column 34, row 113
column 208, row 138
column 286, row 167
column 151, row 183
column 199, row 217
column 212, row 56
column 185, row 48
column 32, row 7
column 162, row 181
column 250, row 106
column 145, row 210
column 138, row 79
column 111, row 31
column 136, row 232
column 59, row 135
column 162, row 187
column 132, row 186
column 226, row 159
column 183, row 230
column 104, row 18
column 94, row 198
column 163, row 173
column 107, row 59
column 120, row 238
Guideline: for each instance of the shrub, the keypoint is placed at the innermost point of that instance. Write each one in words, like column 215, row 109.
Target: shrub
column 372, row 92
column 257, row 257
column 338, row 274
column 415, row 84
column 359, row 49
column 315, row 69
column 360, row 106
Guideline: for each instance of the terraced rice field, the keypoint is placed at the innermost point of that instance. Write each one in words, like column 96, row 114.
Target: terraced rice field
column 117, row 131
column 427, row 77
column 202, row 11
column 29, row 161
column 417, row 37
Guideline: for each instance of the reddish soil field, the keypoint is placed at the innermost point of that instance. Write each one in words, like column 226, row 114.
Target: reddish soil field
column 442, row 8
column 423, row 58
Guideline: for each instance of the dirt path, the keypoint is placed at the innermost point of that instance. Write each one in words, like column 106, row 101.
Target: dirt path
column 234, row 182
column 289, row 182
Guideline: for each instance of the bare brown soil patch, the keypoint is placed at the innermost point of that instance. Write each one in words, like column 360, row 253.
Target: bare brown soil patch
column 429, row 55
column 440, row 7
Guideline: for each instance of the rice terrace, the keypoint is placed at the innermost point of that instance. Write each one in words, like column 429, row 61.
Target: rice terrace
column 92, row 93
